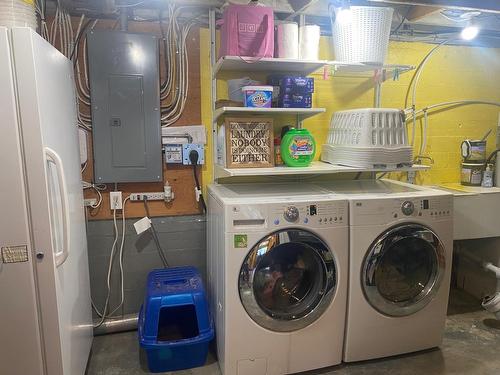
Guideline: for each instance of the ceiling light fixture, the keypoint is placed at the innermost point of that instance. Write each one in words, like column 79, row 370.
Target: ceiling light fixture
column 469, row 32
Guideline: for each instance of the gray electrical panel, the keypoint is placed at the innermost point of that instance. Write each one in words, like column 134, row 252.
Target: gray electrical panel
column 125, row 99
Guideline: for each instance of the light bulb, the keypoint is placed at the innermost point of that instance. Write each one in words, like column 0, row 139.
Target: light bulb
column 469, row 32
column 344, row 15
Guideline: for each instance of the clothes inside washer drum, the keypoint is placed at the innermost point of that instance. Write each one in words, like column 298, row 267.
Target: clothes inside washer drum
column 288, row 282
column 405, row 269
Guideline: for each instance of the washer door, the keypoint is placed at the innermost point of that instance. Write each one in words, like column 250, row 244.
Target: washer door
column 403, row 270
column 287, row 280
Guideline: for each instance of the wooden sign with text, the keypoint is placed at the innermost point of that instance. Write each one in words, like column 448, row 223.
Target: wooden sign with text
column 249, row 142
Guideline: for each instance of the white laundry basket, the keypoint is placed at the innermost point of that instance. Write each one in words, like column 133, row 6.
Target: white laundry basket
column 368, row 127
column 368, row 137
column 365, row 38
column 18, row 13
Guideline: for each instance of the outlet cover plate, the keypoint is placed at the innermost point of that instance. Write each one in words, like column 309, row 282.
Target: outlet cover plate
column 187, row 147
column 173, row 154
column 115, row 200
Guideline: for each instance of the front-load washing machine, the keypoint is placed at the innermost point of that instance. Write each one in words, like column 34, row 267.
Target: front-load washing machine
column 277, row 277
column 401, row 243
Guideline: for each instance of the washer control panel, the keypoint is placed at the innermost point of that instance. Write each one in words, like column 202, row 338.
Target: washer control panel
column 314, row 214
column 319, row 214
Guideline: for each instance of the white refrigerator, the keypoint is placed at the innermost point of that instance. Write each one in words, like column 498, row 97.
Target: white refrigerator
column 45, row 310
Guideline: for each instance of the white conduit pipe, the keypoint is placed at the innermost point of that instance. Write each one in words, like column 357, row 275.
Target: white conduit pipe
column 417, row 75
column 488, row 266
column 453, row 104
column 490, row 303
column 425, row 111
column 492, row 268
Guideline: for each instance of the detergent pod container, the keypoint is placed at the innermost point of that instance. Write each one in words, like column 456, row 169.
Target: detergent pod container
column 298, row 148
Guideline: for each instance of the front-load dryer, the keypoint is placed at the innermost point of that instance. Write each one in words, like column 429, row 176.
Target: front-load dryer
column 401, row 242
column 277, row 277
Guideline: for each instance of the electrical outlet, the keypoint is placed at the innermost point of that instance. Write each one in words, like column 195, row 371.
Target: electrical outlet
column 156, row 196
column 89, row 202
column 186, row 149
column 115, row 200
column 173, row 154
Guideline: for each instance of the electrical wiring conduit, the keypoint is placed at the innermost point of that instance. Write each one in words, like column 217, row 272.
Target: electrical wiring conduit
column 490, row 303
column 425, row 111
column 126, row 323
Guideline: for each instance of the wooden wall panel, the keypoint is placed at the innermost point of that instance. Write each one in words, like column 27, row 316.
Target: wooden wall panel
column 180, row 177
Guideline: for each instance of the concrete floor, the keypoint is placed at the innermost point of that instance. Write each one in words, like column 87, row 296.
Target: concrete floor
column 471, row 346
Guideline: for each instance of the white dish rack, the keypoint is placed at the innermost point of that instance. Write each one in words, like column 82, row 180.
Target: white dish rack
column 368, row 137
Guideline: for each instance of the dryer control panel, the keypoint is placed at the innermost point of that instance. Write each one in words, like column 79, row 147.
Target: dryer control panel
column 383, row 211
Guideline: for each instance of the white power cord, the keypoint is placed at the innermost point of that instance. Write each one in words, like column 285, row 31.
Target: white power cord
column 104, row 313
column 97, row 188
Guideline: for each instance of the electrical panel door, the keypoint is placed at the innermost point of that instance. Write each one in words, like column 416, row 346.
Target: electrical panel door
column 125, row 98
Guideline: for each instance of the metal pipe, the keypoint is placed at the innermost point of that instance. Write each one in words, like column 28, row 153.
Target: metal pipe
column 124, row 19
column 487, row 266
column 127, row 323
column 492, row 268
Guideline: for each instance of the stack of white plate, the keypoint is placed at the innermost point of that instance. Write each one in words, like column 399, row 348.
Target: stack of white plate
column 15, row 13
column 367, row 157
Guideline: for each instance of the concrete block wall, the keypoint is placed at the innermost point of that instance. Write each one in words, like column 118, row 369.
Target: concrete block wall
column 183, row 241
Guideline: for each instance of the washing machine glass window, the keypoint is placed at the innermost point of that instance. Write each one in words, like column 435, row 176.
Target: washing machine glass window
column 403, row 270
column 287, row 280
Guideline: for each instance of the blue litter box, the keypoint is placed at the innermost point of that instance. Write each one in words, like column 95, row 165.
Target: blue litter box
column 174, row 323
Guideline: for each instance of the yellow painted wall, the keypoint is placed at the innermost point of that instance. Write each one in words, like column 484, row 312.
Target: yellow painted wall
column 452, row 73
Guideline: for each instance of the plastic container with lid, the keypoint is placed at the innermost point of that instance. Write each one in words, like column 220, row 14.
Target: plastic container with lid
column 175, row 326
column 298, row 148
column 258, row 96
column 472, row 174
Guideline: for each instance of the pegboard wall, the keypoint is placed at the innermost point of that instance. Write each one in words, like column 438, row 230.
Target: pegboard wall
column 180, row 177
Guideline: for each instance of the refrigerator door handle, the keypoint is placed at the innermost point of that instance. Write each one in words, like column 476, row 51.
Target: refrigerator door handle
column 53, row 157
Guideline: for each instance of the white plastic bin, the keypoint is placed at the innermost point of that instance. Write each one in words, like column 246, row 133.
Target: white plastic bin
column 15, row 13
column 365, row 37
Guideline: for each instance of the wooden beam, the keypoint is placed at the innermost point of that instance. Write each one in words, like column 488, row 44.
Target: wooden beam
column 490, row 6
column 418, row 12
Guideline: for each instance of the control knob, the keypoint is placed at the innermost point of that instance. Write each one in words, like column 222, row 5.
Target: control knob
column 291, row 214
column 407, row 208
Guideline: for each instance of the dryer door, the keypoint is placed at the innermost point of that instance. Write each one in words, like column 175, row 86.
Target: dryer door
column 403, row 270
column 287, row 280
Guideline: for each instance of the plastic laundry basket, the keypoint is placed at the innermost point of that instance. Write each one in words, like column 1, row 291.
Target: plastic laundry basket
column 365, row 39
column 17, row 13
column 368, row 127
column 368, row 137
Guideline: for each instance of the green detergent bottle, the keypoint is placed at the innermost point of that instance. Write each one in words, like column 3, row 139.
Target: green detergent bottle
column 298, row 148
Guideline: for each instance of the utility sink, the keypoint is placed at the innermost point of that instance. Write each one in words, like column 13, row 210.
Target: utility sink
column 476, row 211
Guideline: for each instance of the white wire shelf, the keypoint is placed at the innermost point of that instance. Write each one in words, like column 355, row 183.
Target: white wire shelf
column 303, row 113
column 349, row 69
column 316, row 168
column 305, row 67
column 267, row 65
